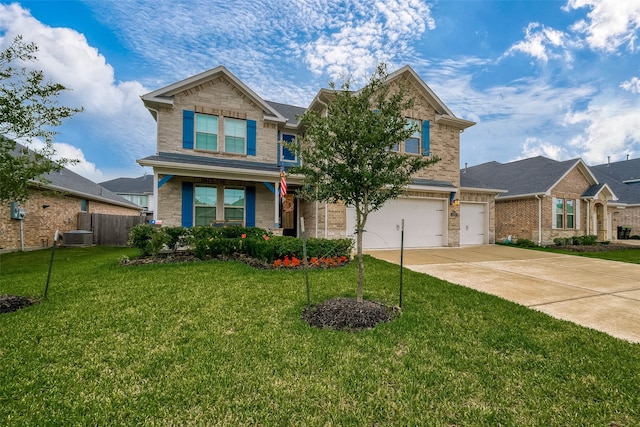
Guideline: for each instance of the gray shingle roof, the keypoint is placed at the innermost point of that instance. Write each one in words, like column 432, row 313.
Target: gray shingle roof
column 614, row 174
column 291, row 112
column 529, row 176
column 68, row 181
column 212, row 161
column 141, row 185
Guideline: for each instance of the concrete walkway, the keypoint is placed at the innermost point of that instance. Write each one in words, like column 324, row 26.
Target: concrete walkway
column 599, row 294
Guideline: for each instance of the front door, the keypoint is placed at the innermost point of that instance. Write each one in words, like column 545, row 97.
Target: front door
column 289, row 215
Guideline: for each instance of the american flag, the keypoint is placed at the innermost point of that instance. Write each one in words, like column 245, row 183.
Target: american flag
column 283, row 184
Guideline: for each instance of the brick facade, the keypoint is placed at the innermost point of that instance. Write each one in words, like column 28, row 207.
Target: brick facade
column 40, row 223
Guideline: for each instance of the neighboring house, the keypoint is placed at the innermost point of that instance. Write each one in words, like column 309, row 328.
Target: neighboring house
column 219, row 157
column 545, row 199
column 137, row 190
column 624, row 179
column 55, row 206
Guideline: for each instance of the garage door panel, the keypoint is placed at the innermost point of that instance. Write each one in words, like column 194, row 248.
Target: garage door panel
column 473, row 223
column 424, row 224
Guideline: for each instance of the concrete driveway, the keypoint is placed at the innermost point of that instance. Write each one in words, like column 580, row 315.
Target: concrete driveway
column 598, row 294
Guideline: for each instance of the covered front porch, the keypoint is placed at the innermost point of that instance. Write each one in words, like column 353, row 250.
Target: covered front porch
column 199, row 191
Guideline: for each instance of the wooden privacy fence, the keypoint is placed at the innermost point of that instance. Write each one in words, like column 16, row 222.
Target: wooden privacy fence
column 109, row 230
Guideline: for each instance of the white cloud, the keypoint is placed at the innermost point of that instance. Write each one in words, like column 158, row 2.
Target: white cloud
column 610, row 23
column 632, row 85
column 113, row 112
column 543, row 43
column 610, row 129
column 533, row 147
column 373, row 35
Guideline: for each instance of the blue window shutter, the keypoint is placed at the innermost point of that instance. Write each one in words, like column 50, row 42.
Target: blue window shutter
column 187, row 204
column 251, row 137
column 426, row 142
column 250, row 212
column 279, row 155
column 188, row 122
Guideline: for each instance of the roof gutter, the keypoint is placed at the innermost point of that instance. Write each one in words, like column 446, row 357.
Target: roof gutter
column 522, row 196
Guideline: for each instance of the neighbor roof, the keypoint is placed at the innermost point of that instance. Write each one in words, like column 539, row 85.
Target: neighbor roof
column 623, row 178
column 140, row 185
column 290, row 112
column 69, row 182
column 536, row 175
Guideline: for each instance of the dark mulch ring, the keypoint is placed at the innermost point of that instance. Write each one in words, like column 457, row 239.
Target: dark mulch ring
column 348, row 314
column 9, row 303
column 597, row 248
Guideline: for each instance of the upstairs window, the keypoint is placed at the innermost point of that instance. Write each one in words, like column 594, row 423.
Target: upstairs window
column 286, row 154
column 235, row 135
column 416, row 143
column 412, row 144
column 206, row 132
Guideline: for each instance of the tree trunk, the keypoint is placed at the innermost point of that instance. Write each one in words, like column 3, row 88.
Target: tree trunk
column 360, row 266
column 361, row 219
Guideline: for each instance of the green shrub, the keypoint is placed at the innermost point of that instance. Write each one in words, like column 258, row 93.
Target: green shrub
column 525, row 243
column 635, row 237
column 148, row 239
column 177, row 236
column 259, row 248
column 589, row 240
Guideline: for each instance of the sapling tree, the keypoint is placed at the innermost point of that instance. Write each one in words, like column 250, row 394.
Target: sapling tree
column 28, row 112
column 348, row 151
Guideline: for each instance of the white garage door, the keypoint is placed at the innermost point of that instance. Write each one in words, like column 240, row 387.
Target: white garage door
column 424, row 224
column 473, row 224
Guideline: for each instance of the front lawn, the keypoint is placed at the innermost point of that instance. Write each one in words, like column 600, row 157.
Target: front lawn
column 220, row 343
column 629, row 254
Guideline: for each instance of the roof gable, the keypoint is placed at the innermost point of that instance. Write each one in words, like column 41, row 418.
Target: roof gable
column 165, row 95
column 443, row 113
column 527, row 177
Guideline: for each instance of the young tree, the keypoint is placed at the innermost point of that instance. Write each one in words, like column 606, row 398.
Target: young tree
column 28, row 111
column 348, row 151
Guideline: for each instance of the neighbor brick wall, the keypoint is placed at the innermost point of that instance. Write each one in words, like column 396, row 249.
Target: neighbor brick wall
column 627, row 217
column 40, row 224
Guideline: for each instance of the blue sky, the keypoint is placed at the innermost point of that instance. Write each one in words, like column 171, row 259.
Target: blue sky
column 553, row 78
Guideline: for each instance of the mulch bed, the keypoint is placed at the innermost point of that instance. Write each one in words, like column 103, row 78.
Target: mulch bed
column 9, row 303
column 167, row 258
column 348, row 314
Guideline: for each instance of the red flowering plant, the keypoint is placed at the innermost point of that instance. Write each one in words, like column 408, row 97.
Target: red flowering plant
column 324, row 262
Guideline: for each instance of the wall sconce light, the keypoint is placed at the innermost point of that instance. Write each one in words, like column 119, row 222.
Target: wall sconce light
column 45, row 206
column 456, row 202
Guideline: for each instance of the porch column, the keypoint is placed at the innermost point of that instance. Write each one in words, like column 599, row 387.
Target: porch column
column 276, row 205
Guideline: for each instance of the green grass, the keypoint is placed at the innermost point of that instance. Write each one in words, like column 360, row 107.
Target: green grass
column 219, row 343
column 631, row 255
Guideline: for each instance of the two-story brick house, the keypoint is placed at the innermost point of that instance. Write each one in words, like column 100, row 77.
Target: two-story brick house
column 219, row 157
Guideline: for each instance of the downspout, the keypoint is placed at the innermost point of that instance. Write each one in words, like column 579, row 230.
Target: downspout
column 588, row 216
column 539, row 219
